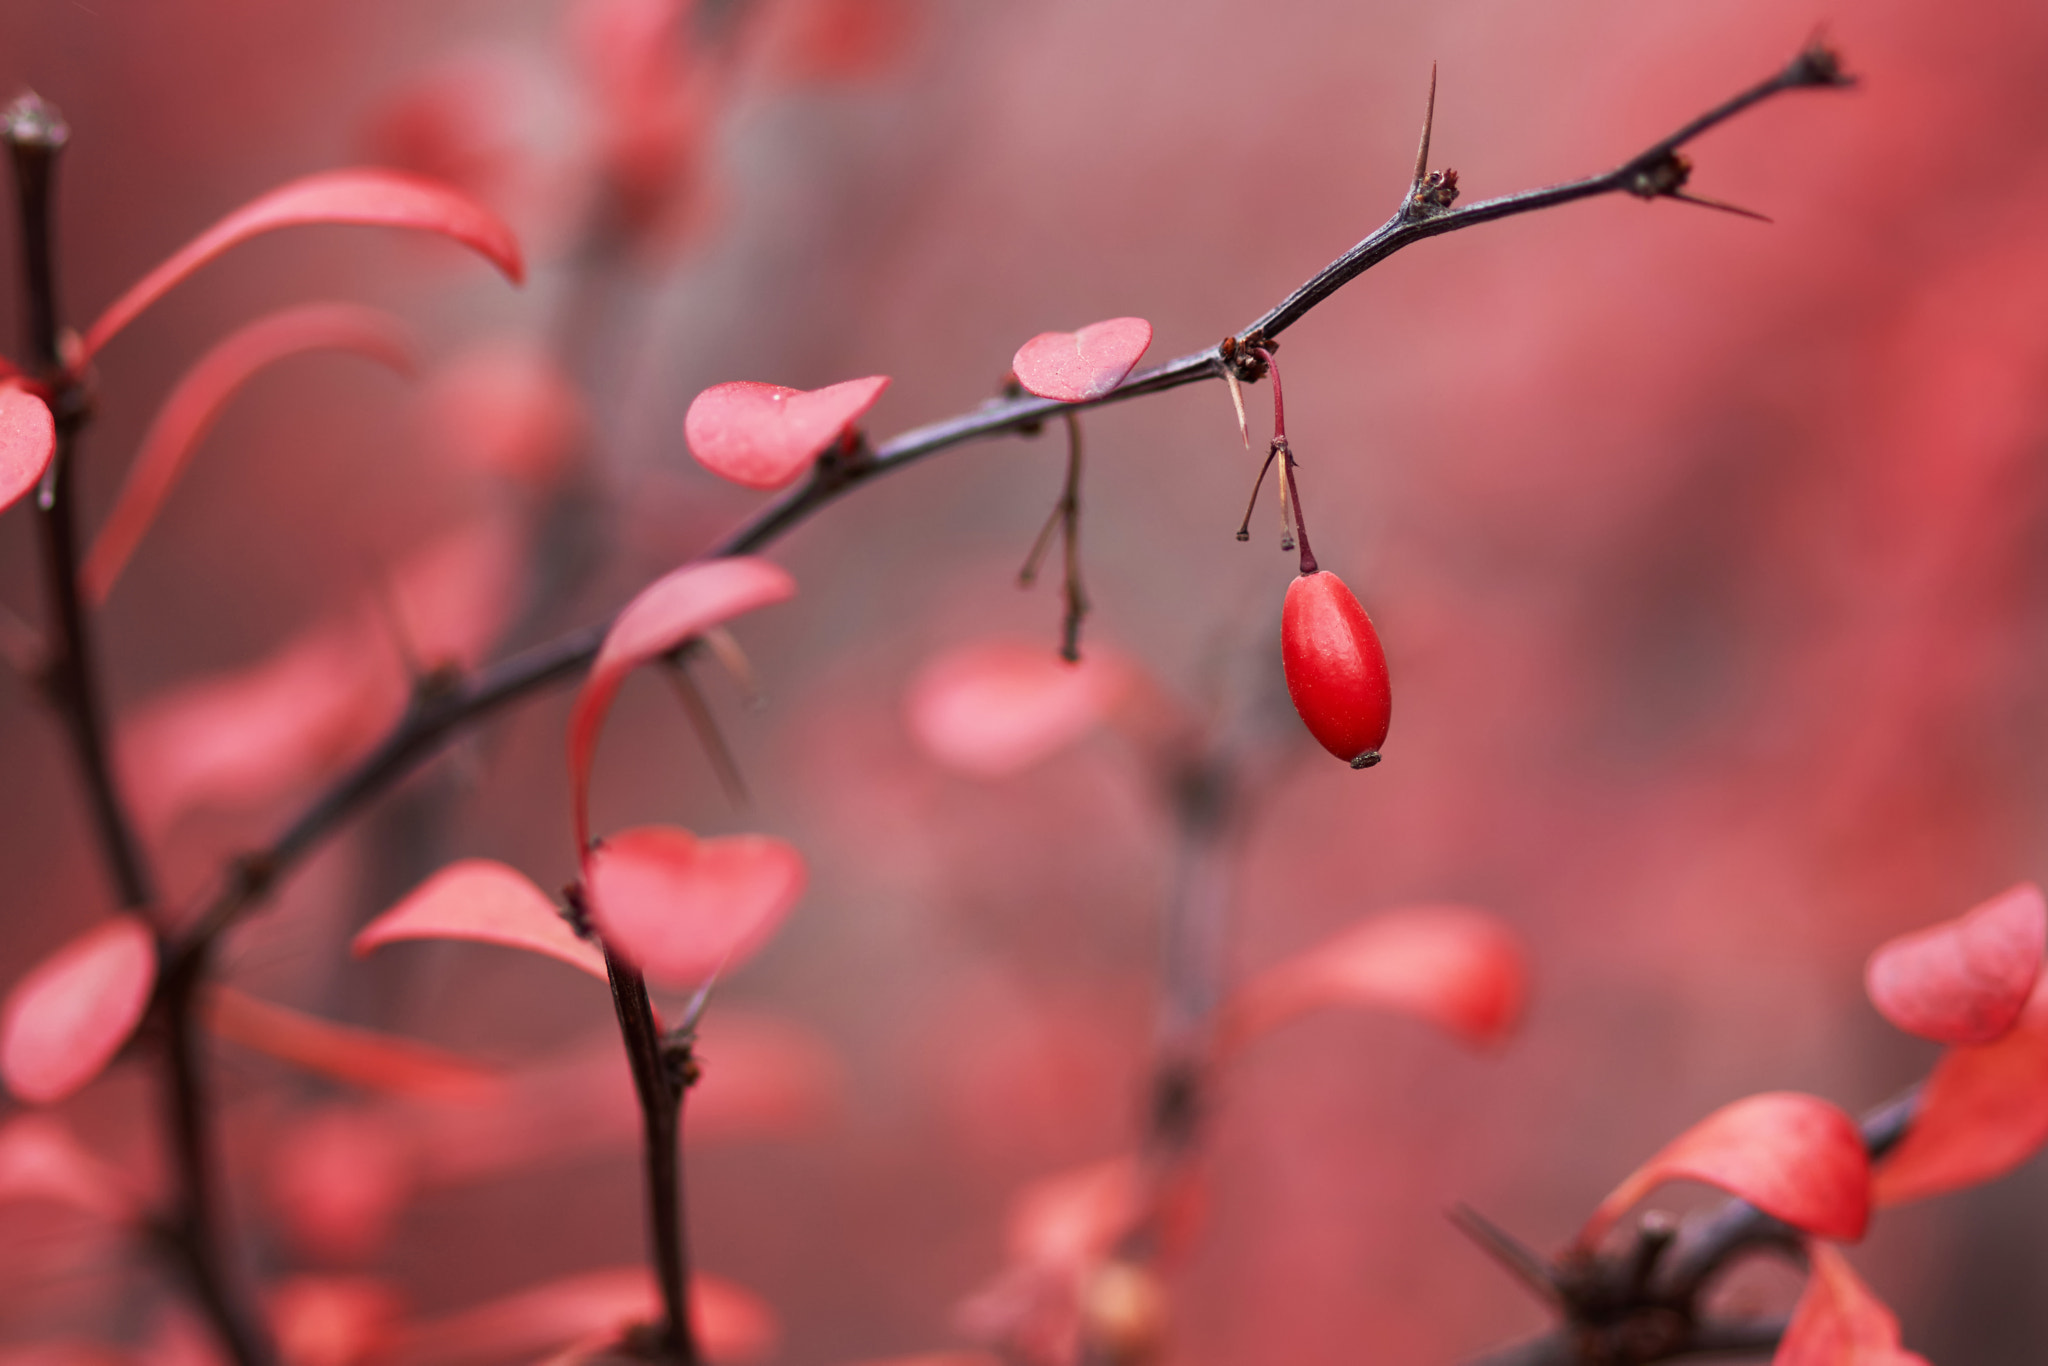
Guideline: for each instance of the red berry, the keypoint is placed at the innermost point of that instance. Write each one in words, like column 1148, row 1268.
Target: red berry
column 1336, row 670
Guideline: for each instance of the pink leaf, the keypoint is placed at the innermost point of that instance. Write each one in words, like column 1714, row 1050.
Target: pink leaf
column 665, row 614
column 683, row 909
column 28, row 438
column 67, row 1019
column 453, row 597
column 1074, row 367
column 505, row 409
column 1458, row 968
column 258, row 734
column 733, row 1324
column 1839, row 1322
column 204, row 390
column 332, row 1320
column 1795, row 1157
column 338, row 1180
column 1966, row 980
column 360, row 1057
column 1077, row 1216
column 488, row 903
column 1983, row 1112
column 40, row 1160
column 997, row 707
column 362, row 196
column 764, row 436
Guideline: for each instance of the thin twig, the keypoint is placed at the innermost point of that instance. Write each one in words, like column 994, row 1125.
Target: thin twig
column 425, row 727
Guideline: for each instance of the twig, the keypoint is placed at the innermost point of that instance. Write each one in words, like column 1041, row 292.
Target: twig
column 36, row 135
column 1649, row 174
column 661, row 1076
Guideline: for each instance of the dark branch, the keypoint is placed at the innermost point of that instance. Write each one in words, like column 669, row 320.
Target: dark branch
column 429, row 723
column 1642, row 1304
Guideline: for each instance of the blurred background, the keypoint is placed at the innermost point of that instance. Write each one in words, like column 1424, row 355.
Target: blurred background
column 1711, row 559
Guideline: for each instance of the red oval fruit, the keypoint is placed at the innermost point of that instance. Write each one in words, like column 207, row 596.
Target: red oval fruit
column 1336, row 670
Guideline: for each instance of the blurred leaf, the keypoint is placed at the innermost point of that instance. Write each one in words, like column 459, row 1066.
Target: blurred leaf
column 65, row 1021
column 996, row 707
column 1964, row 981
column 1838, row 1322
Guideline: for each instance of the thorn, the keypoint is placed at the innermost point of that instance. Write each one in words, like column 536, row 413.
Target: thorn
column 1520, row 1261
column 1237, row 401
column 1428, row 122
column 708, row 735
column 725, row 648
column 1720, row 204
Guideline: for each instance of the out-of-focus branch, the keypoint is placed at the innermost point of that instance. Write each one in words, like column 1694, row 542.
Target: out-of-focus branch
column 36, row 134
column 1641, row 1303
column 1657, row 171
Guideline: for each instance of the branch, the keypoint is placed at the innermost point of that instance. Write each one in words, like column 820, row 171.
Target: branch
column 1638, row 1306
column 1658, row 171
column 36, row 135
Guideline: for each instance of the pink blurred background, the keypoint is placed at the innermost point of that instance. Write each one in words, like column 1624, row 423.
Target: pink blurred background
column 1710, row 565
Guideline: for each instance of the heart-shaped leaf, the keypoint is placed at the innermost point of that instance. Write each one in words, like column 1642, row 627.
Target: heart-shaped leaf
column 682, row 909
column 1982, row 1113
column 197, row 399
column 997, row 707
column 488, row 903
column 1459, row 968
column 1838, row 1322
column 67, row 1019
column 1074, row 367
column 347, row 1053
column 365, row 196
column 1793, row 1156
column 665, row 614
column 764, row 436
column 1966, row 980
column 28, row 438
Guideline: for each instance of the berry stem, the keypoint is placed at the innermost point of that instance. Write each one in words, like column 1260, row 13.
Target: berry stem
column 1290, row 491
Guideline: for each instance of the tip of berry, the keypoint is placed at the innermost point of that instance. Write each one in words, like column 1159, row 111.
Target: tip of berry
column 1367, row 759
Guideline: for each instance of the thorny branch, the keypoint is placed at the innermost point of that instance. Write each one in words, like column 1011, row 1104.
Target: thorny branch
column 446, row 705
column 1643, row 1302
column 1655, row 172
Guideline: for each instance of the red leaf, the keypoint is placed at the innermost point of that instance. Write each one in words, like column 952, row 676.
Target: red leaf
column 40, row 1160
column 764, row 436
column 338, row 1179
column 360, row 1057
column 68, row 1018
column 1966, row 980
column 506, row 409
column 1077, row 1216
column 665, row 614
column 684, row 909
column 1074, row 367
column 332, row 1320
column 362, row 196
column 1982, row 1113
column 198, row 398
column 732, row 1323
column 1838, row 1322
column 1459, row 968
column 260, row 733
column 453, row 597
column 997, row 707
column 1793, row 1156
column 837, row 40
column 488, row 903
column 28, row 438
